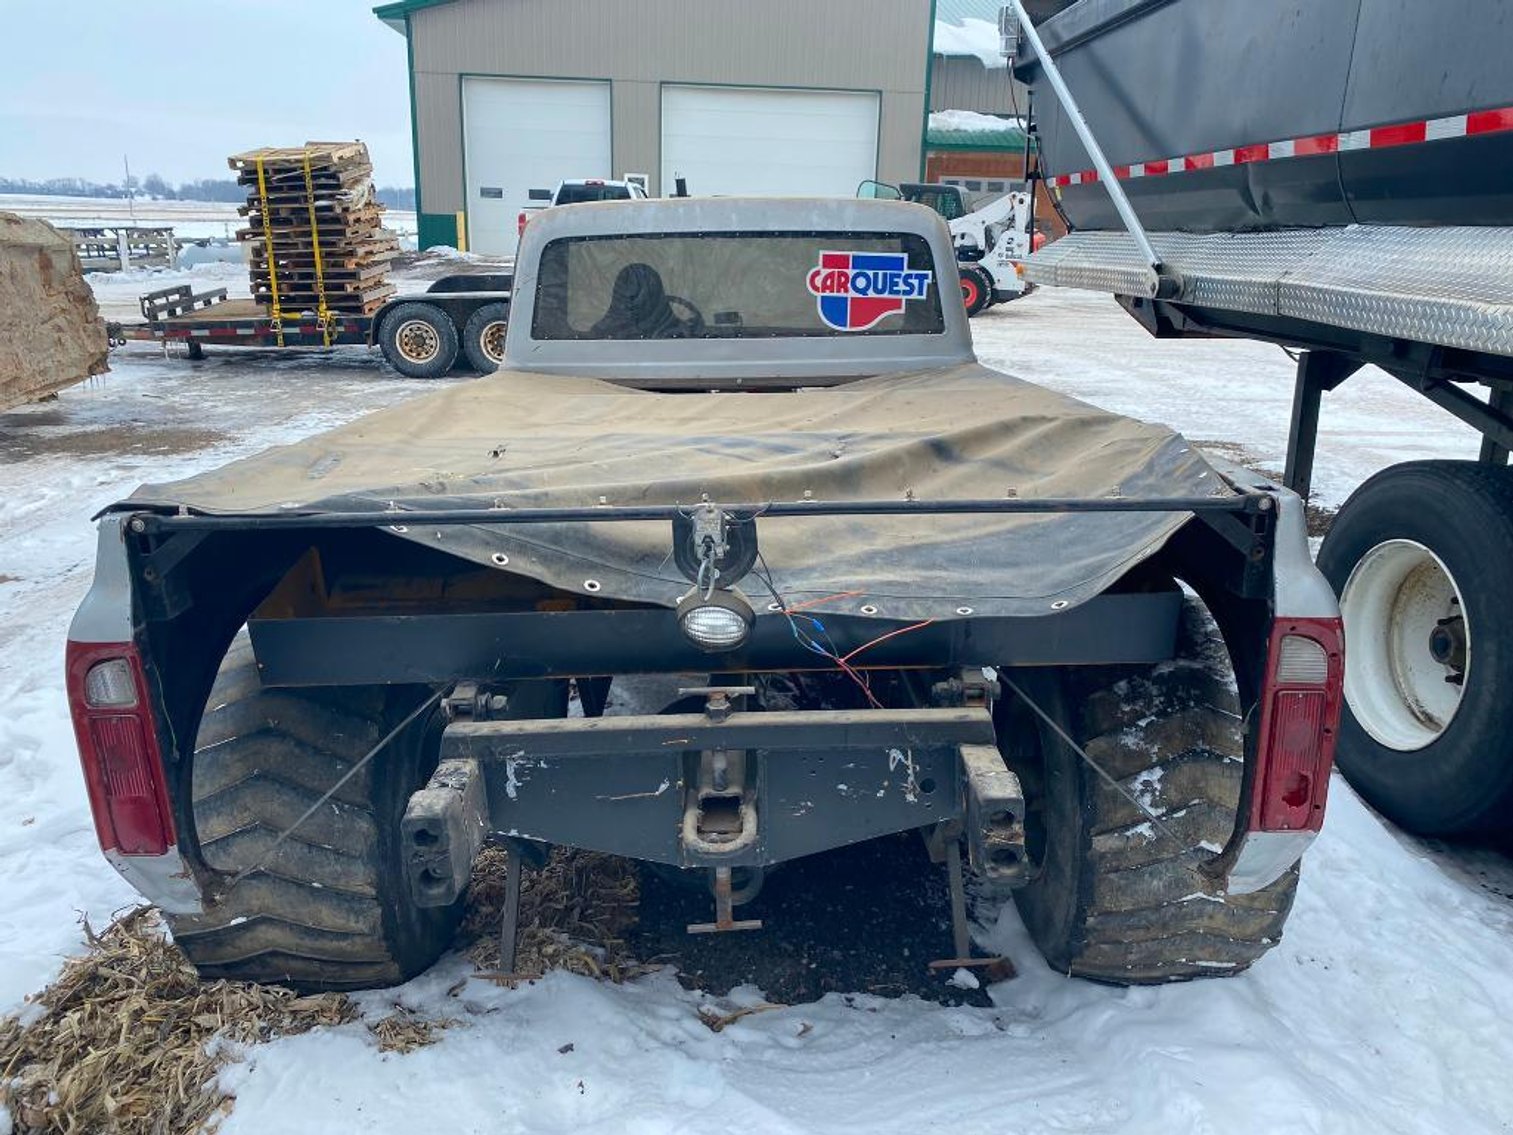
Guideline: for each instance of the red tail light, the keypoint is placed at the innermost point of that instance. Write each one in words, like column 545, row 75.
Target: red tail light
column 521, row 223
column 1300, row 715
column 118, row 747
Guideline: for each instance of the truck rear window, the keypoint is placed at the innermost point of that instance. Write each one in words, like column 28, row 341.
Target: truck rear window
column 578, row 194
column 733, row 285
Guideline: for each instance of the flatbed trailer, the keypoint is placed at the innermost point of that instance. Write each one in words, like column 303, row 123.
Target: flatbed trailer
column 1356, row 208
column 458, row 318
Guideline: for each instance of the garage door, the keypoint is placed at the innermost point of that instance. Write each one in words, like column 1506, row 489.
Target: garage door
column 524, row 134
column 768, row 142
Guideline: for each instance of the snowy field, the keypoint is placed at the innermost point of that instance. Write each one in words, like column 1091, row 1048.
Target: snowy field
column 1386, row 1008
column 196, row 220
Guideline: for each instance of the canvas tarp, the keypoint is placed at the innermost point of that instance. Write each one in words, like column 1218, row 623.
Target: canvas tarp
column 517, row 439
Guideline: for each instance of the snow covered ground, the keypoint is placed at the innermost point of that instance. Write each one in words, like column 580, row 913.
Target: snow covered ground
column 1222, row 393
column 1384, row 1009
column 190, row 219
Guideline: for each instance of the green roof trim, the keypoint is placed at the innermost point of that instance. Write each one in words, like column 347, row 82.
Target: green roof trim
column 1010, row 138
column 957, row 11
column 396, row 13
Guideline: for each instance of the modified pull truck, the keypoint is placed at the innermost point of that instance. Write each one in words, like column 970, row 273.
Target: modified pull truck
column 1354, row 204
column 741, row 450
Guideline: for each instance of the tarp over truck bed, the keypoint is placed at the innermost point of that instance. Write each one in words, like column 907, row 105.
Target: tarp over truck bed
column 517, row 439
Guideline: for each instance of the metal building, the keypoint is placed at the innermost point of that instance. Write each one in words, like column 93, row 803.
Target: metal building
column 786, row 97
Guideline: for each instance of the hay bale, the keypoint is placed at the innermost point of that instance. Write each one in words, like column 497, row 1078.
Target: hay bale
column 51, row 335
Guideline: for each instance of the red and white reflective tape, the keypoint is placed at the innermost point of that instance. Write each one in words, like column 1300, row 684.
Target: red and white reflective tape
column 1470, row 125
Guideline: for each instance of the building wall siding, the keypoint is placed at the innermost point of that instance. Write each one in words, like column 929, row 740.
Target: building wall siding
column 874, row 45
column 963, row 83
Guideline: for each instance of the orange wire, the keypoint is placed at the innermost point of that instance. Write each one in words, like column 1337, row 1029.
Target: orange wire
column 885, row 638
column 850, row 672
column 824, row 599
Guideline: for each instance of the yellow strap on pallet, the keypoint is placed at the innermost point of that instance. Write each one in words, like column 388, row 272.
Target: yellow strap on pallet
column 262, row 196
column 320, row 273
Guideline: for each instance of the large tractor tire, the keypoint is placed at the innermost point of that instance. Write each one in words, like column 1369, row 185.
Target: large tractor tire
column 329, row 908
column 1115, row 899
column 1422, row 559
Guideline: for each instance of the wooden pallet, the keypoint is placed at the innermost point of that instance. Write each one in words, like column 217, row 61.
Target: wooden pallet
column 334, row 180
column 364, row 304
column 320, row 153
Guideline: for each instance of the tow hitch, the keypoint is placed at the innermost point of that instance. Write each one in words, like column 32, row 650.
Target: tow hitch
column 729, row 791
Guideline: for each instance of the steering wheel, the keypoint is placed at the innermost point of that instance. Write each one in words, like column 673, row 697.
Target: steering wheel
column 693, row 326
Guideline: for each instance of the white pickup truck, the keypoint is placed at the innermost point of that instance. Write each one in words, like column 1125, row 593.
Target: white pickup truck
column 578, row 191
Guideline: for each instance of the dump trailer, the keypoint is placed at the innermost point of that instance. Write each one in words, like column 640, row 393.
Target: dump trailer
column 741, row 450
column 1336, row 178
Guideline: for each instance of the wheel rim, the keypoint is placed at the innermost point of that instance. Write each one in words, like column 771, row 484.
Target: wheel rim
column 968, row 292
column 1408, row 645
column 492, row 341
column 417, row 341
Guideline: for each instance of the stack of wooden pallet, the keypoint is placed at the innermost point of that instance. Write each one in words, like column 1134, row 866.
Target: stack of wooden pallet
column 315, row 229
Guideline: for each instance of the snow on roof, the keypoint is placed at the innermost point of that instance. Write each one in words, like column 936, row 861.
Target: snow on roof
column 969, row 130
column 971, row 122
column 970, row 37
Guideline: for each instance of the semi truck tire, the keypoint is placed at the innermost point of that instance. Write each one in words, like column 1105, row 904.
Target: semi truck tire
column 483, row 337
column 419, row 340
column 976, row 289
column 329, row 907
column 1422, row 559
column 1115, row 898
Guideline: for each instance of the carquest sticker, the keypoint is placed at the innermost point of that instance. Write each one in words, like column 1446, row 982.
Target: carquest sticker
column 857, row 290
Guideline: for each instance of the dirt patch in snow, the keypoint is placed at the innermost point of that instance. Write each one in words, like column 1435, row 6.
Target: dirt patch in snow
column 862, row 919
column 23, row 445
column 1319, row 517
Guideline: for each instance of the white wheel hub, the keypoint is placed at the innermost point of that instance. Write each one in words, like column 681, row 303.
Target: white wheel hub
column 1408, row 645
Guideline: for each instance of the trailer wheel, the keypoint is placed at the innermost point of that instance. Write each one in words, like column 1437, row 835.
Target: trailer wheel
column 483, row 337
column 976, row 289
column 1419, row 557
column 419, row 340
column 328, row 908
column 1114, row 898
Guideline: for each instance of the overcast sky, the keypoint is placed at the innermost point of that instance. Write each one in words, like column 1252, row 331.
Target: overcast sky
column 178, row 85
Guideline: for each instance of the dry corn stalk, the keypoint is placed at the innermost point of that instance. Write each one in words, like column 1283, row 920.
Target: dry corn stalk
column 574, row 913
column 129, row 1041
